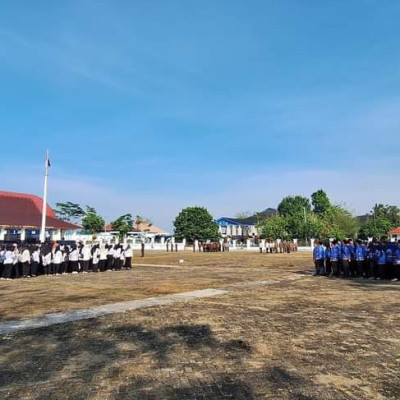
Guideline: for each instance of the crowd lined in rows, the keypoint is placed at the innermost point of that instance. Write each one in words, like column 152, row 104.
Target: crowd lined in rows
column 28, row 261
column 348, row 258
column 282, row 246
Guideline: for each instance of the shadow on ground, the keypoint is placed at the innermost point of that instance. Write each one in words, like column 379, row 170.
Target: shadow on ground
column 76, row 355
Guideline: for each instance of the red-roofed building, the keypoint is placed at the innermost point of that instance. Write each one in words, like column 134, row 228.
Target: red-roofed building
column 394, row 235
column 21, row 218
column 142, row 227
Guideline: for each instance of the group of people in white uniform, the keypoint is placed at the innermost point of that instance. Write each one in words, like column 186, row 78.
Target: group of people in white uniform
column 29, row 260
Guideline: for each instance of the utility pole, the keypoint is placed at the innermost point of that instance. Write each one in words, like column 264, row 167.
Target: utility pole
column 44, row 205
column 305, row 225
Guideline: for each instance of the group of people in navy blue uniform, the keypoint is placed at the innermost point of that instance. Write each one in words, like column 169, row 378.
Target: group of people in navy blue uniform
column 357, row 259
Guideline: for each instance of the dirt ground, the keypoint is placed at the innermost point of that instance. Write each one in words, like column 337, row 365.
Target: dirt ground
column 278, row 334
column 32, row 297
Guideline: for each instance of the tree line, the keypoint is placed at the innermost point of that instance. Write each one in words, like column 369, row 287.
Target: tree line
column 93, row 222
column 299, row 218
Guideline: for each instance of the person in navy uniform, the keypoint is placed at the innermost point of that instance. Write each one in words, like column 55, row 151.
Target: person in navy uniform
column 328, row 266
column 353, row 262
column 396, row 263
column 381, row 259
column 318, row 256
column 334, row 259
column 371, row 257
column 345, row 259
column 389, row 263
column 359, row 253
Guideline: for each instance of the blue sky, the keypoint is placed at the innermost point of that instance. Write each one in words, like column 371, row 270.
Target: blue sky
column 150, row 106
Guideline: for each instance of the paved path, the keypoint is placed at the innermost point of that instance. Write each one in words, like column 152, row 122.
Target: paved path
column 156, row 265
column 99, row 311
column 95, row 312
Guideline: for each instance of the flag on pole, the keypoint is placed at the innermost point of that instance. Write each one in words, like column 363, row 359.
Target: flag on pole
column 47, row 162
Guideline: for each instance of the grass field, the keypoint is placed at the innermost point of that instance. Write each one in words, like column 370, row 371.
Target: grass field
column 44, row 294
column 278, row 334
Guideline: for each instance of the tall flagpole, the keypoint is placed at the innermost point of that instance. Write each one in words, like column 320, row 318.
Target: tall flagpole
column 44, row 208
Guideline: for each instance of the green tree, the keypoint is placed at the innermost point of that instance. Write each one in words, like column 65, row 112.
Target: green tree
column 292, row 227
column 321, row 203
column 71, row 212
column 375, row 227
column 380, row 220
column 312, row 227
column 123, row 224
column 195, row 223
column 388, row 213
column 339, row 223
column 274, row 228
column 92, row 222
column 296, row 226
column 294, row 206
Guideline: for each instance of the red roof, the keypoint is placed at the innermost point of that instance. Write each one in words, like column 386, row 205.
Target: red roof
column 394, row 232
column 25, row 210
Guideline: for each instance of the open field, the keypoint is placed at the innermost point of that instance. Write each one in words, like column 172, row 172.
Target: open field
column 277, row 334
column 46, row 294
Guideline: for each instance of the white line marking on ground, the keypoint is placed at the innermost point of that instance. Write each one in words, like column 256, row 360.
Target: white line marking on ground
column 156, row 265
column 95, row 312
column 99, row 311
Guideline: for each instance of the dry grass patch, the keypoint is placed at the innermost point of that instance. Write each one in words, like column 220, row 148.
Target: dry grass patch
column 33, row 297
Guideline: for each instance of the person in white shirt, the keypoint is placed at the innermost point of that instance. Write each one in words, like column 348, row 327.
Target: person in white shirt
column 57, row 260
column 2, row 251
column 103, row 258
column 74, row 260
column 9, row 259
column 26, row 262
column 16, row 264
column 35, row 260
column 64, row 262
column 95, row 258
column 46, row 258
column 122, row 258
column 117, row 256
column 86, row 256
column 128, row 253
column 110, row 258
